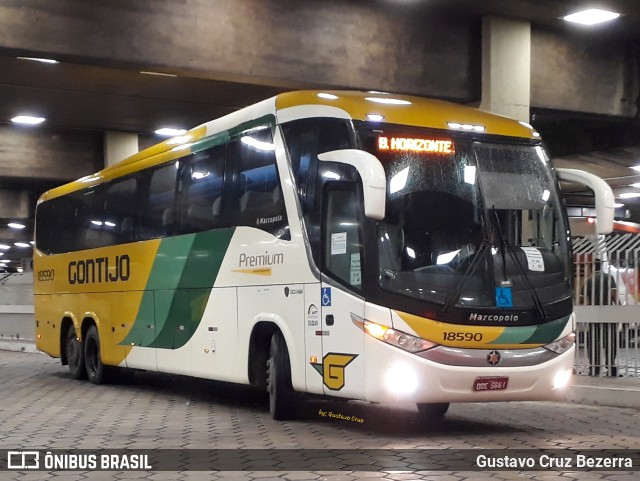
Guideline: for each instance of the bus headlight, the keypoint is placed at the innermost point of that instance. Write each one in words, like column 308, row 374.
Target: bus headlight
column 396, row 338
column 561, row 379
column 401, row 379
column 562, row 345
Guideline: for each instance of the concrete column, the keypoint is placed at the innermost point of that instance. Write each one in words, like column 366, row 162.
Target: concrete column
column 506, row 67
column 119, row 146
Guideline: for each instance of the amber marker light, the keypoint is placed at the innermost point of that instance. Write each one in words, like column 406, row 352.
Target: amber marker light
column 376, row 330
column 402, row 340
column 313, row 359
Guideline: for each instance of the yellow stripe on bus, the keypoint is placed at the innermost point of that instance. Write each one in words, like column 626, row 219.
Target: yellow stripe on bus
column 465, row 336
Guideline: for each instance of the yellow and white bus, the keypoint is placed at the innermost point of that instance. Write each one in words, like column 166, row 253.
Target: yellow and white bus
column 359, row 245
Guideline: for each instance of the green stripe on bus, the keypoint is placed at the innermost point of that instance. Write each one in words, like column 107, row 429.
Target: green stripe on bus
column 182, row 314
column 549, row 331
column 515, row 335
column 266, row 121
column 540, row 334
column 165, row 274
column 178, row 288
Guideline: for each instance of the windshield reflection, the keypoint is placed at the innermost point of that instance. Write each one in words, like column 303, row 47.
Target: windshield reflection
column 460, row 224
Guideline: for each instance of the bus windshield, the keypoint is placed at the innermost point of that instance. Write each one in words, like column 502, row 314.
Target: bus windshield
column 464, row 218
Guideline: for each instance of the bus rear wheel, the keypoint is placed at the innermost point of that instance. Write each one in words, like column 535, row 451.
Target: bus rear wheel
column 74, row 351
column 93, row 364
column 281, row 396
column 433, row 412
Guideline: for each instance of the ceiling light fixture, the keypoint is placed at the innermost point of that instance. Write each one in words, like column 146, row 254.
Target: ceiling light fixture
column 159, row 74
column 27, row 120
column 170, row 132
column 591, row 16
column 629, row 195
column 15, row 225
column 21, row 244
column 36, row 59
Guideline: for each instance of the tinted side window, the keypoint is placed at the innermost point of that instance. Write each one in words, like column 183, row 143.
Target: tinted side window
column 89, row 218
column 55, row 225
column 158, row 212
column 342, row 252
column 306, row 139
column 257, row 192
column 120, row 211
column 202, row 180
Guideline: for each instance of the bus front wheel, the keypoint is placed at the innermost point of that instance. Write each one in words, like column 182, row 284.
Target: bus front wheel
column 93, row 364
column 433, row 412
column 75, row 355
column 281, row 397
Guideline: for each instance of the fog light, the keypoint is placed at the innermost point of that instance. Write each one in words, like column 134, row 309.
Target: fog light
column 400, row 379
column 561, row 379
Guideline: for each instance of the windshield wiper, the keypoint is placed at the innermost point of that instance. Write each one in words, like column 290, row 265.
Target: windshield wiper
column 479, row 255
column 505, row 246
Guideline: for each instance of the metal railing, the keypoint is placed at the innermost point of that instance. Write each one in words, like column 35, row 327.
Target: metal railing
column 607, row 300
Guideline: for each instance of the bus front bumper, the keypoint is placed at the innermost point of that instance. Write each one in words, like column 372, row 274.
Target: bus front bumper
column 394, row 375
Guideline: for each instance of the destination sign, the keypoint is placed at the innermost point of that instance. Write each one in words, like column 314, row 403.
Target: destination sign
column 413, row 144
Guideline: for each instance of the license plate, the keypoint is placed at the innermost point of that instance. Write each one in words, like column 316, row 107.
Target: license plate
column 490, row 383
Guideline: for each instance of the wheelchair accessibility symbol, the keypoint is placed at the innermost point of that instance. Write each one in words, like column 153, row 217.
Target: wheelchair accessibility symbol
column 326, row 296
column 503, row 297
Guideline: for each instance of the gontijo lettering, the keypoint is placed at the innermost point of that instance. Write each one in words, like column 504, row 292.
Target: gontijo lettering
column 100, row 269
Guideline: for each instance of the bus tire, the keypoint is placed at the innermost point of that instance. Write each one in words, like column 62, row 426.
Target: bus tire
column 433, row 412
column 92, row 361
column 74, row 352
column 281, row 396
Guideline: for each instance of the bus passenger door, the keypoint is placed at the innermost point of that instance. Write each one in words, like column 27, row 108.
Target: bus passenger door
column 342, row 365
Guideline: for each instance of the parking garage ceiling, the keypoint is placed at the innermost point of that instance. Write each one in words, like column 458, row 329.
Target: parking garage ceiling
column 109, row 96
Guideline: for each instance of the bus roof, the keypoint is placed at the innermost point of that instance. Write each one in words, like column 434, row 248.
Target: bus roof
column 408, row 110
column 392, row 108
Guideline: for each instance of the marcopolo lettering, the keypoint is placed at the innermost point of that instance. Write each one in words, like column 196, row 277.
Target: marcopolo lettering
column 100, row 269
column 474, row 316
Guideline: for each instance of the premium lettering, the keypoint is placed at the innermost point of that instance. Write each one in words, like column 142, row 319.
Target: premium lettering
column 262, row 260
column 100, row 269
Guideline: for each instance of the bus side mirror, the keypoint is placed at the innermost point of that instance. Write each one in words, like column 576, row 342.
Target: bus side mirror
column 603, row 194
column 374, row 181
